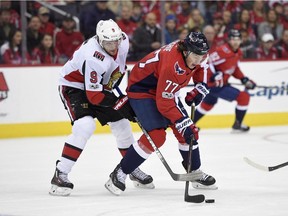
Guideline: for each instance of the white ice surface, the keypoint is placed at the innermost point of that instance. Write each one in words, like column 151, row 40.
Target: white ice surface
column 27, row 166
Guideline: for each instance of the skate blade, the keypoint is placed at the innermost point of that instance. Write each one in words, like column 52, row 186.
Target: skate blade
column 197, row 185
column 238, row 131
column 112, row 188
column 144, row 186
column 59, row 191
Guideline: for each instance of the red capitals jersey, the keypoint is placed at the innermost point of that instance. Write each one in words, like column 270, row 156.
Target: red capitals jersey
column 224, row 60
column 160, row 75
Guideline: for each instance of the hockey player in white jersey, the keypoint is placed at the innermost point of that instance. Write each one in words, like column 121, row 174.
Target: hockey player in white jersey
column 86, row 87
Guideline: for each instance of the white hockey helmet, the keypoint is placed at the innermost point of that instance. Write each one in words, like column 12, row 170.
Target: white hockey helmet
column 108, row 30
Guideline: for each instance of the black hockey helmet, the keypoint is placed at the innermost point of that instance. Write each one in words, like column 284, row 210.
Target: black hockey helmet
column 197, row 43
column 233, row 33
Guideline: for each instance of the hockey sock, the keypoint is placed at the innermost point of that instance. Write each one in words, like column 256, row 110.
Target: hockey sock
column 71, row 152
column 196, row 162
column 131, row 160
column 240, row 115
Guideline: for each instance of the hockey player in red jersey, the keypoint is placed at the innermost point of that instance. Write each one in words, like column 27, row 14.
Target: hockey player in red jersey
column 86, row 88
column 224, row 62
column 153, row 89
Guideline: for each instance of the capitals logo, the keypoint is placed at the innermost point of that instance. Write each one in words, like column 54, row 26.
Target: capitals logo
column 178, row 69
column 3, row 87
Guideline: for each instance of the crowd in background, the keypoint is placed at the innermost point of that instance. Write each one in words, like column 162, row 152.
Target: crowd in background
column 52, row 38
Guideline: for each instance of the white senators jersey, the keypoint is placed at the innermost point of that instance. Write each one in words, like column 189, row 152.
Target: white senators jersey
column 92, row 69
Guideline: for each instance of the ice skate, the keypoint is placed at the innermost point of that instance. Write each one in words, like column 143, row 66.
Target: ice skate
column 205, row 182
column 238, row 127
column 116, row 182
column 141, row 179
column 60, row 184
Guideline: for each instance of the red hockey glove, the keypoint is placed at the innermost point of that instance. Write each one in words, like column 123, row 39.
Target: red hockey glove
column 197, row 94
column 124, row 108
column 249, row 84
column 217, row 79
column 187, row 129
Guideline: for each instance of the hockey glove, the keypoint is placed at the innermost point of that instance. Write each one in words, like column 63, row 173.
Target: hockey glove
column 217, row 79
column 249, row 84
column 108, row 100
column 187, row 129
column 124, row 108
column 197, row 94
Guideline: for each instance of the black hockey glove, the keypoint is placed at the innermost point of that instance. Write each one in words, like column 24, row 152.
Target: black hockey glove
column 109, row 99
column 197, row 94
column 123, row 107
column 249, row 84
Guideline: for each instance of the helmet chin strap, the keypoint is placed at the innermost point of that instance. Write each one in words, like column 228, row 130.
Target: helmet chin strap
column 186, row 56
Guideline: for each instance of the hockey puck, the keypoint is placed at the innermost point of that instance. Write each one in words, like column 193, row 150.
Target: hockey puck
column 210, row 201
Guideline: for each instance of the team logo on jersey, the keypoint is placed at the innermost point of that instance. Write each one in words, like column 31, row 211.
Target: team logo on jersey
column 226, row 50
column 178, row 69
column 114, row 77
column 99, row 55
column 3, row 87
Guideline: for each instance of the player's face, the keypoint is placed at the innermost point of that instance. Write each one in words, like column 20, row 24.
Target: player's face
column 111, row 47
column 193, row 59
column 235, row 43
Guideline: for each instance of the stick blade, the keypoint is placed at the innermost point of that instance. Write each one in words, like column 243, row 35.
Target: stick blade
column 256, row 165
column 195, row 199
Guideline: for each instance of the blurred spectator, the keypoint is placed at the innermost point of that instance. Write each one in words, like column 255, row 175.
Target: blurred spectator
column 218, row 25
column 284, row 18
column 46, row 26
column 117, row 6
column 46, row 53
column 137, row 14
column 170, row 7
column 247, row 46
column 89, row 19
column 277, row 5
column 14, row 15
column 67, row 39
column 210, row 33
column 282, row 45
column 11, row 50
column 171, row 33
column 33, row 34
column 147, row 37
column 257, row 14
column 245, row 24
column 183, row 31
column 5, row 26
column 227, row 20
column 151, row 6
column 125, row 23
column 195, row 19
column 234, row 7
column 271, row 25
column 128, row 26
column 184, row 14
column 266, row 50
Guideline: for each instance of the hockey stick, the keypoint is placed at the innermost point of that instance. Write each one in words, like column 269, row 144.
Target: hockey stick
column 264, row 168
column 175, row 177
column 199, row 198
